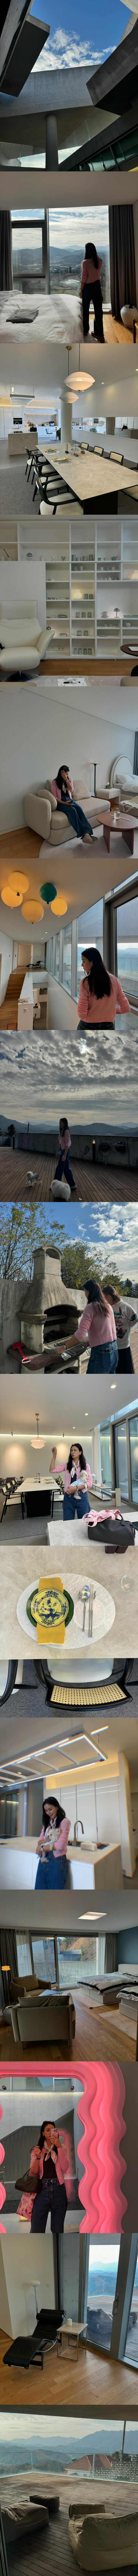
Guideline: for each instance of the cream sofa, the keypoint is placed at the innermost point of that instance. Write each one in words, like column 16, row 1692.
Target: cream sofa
column 44, row 816
column 100, row 2540
column 22, row 640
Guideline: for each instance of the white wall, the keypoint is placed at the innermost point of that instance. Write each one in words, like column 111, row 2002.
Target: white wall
column 28, row 1461
column 40, row 726
column 22, row 2266
column 6, row 959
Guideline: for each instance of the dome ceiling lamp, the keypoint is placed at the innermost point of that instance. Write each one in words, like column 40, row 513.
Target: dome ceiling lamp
column 37, row 1441
column 79, row 382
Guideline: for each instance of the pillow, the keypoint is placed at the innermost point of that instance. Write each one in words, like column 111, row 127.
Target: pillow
column 48, row 791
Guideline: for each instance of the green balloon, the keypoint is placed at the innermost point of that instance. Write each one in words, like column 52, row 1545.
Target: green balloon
column 48, row 891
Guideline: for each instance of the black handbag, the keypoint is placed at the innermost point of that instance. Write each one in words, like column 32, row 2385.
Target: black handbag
column 121, row 1534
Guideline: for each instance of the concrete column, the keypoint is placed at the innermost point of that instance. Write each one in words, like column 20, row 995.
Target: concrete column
column 66, row 422
column 110, row 427
column 51, row 143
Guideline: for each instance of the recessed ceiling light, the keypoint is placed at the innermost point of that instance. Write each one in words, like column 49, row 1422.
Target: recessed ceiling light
column 93, row 1918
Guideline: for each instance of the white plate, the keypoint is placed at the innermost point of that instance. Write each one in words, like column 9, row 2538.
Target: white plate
column 103, row 1616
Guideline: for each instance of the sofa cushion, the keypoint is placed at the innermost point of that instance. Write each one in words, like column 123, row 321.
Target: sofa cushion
column 13, row 628
column 101, row 2541
column 19, row 656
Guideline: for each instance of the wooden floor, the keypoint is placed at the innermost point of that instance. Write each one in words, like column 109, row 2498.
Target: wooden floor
column 94, row 2381
column 92, row 1181
column 97, row 2035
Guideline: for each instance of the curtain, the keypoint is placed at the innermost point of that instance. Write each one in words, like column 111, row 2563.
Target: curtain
column 135, row 767
column 110, row 1953
column 101, row 1954
column 6, row 267
column 8, row 1951
column 122, row 258
column 96, row 1458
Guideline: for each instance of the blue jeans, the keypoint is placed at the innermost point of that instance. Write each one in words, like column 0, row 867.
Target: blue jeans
column 77, row 818
column 63, row 1170
column 104, row 1357
column 75, row 1503
column 52, row 1873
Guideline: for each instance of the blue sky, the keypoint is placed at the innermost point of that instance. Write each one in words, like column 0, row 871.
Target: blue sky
column 68, row 41
column 109, row 1231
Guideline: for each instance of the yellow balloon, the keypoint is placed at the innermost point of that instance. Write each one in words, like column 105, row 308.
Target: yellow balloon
column 12, row 893
column 32, row 911
column 59, row 904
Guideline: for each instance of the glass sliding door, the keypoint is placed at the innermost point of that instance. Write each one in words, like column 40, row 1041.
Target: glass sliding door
column 133, row 1435
column 106, row 1459
column 76, row 1958
column 90, row 927
column 122, row 1465
column 127, row 945
column 102, row 2278
column 131, row 2345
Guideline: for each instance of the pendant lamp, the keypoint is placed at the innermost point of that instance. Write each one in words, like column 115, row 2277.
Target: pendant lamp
column 37, row 1442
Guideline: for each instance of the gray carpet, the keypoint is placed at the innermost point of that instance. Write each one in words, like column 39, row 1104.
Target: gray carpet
column 16, row 494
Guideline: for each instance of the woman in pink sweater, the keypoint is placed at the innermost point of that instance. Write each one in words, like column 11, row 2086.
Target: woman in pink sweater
column 99, row 993
column 98, row 1322
column 90, row 291
column 52, row 1846
column 63, row 1167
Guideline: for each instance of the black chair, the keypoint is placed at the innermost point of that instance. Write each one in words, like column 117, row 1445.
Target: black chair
column 30, row 2348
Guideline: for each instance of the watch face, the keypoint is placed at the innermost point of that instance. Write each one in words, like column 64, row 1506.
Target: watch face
column 49, row 1609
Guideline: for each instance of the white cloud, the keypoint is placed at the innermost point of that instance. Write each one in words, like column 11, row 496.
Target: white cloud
column 66, row 49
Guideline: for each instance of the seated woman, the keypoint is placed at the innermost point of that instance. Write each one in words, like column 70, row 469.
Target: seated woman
column 52, row 1846
column 62, row 787
column 63, row 1167
column 99, row 993
column 77, row 1477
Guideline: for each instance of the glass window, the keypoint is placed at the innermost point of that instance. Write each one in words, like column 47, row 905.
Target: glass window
column 121, row 1444
column 133, row 1431
column 51, row 959
column 106, row 1459
column 23, row 1954
column 44, row 1959
column 131, row 2346
column 66, row 244
column 102, row 2279
column 67, row 954
column 127, row 947
column 57, row 957
column 90, row 927
column 27, row 252
column 76, row 1958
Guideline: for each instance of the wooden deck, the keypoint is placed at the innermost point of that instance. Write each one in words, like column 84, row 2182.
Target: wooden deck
column 92, row 1181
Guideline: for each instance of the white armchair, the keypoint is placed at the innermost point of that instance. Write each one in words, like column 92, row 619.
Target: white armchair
column 22, row 639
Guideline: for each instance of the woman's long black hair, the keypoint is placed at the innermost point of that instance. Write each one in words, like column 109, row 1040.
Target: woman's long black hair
column 98, row 980
column 91, row 253
column 60, row 1811
column 60, row 781
column 45, row 2124
column 83, row 1461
